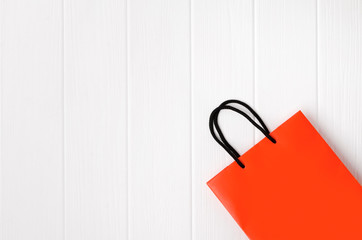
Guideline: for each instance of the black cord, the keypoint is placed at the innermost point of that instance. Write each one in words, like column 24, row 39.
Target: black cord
column 213, row 123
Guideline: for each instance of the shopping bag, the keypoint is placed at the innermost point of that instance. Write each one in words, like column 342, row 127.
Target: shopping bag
column 290, row 185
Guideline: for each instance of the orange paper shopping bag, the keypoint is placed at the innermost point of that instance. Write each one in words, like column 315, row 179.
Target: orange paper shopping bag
column 289, row 186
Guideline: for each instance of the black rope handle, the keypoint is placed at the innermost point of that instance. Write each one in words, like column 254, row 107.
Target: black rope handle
column 213, row 123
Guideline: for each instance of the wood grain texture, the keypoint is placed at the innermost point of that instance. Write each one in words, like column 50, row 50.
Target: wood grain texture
column 159, row 119
column 286, row 56
column 32, row 120
column 222, row 68
column 105, row 107
column 95, row 120
column 340, row 79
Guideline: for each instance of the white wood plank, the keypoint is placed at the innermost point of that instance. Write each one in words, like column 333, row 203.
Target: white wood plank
column 159, row 119
column 222, row 68
column 286, row 55
column 32, row 120
column 95, row 120
column 340, row 79
column 1, row 77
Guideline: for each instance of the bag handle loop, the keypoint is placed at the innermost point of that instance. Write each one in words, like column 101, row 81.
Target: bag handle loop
column 213, row 124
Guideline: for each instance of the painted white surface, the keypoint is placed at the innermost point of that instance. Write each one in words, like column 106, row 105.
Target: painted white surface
column 32, row 205
column 159, row 143
column 105, row 106
column 95, row 120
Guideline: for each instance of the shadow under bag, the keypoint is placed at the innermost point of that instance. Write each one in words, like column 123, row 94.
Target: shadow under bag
column 289, row 186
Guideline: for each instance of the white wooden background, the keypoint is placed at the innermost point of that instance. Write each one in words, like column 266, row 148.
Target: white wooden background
column 105, row 106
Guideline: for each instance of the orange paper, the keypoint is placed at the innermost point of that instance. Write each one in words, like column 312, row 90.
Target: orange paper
column 294, row 189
